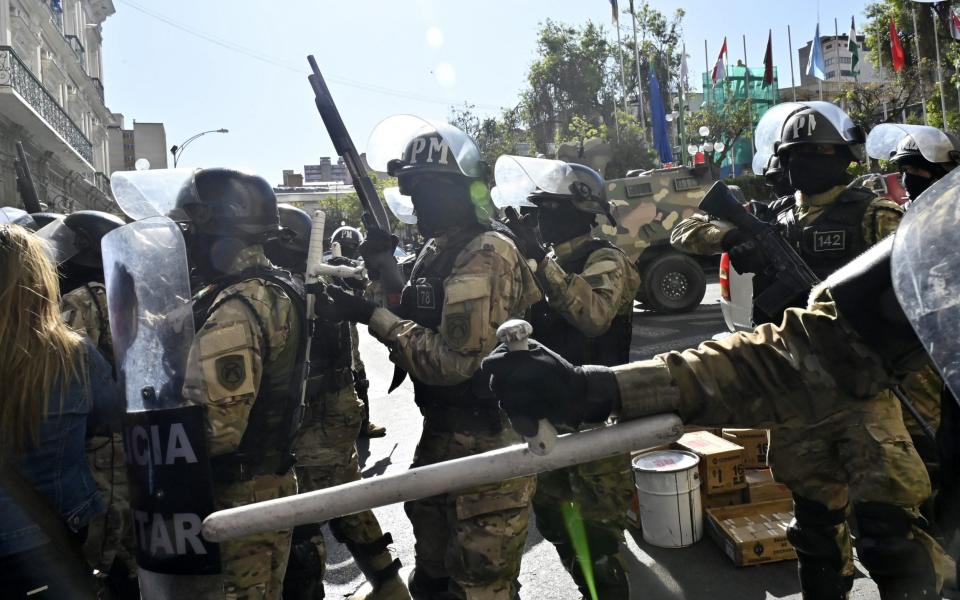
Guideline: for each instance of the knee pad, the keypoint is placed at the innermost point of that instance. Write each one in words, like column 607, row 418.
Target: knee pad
column 884, row 545
column 813, row 531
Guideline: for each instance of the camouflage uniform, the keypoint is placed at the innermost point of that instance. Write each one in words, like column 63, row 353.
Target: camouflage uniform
column 468, row 543
column 592, row 300
column 815, row 383
column 250, row 333
column 85, row 311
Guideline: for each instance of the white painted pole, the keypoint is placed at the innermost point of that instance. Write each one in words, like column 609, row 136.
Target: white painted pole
column 793, row 83
column 943, row 96
column 916, row 42
column 440, row 478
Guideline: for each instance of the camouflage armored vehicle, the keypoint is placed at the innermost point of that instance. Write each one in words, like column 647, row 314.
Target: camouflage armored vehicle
column 647, row 205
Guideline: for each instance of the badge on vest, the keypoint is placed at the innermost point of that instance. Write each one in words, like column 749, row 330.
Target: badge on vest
column 829, row 241
column 426, row 297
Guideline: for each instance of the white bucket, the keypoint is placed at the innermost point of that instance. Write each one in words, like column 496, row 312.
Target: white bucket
column 668, row 491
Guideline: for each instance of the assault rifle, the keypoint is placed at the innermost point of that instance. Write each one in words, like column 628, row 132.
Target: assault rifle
column 25, row 186
column 792, row 278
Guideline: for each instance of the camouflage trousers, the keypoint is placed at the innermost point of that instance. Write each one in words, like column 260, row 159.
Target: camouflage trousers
column 253, row 566
column 922, row 388
column 110, row 536
column 603, row 490
column 861, row 454
column 327, row 455
column 470, row 541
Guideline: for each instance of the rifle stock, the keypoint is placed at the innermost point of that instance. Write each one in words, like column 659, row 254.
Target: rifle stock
column 25, row 185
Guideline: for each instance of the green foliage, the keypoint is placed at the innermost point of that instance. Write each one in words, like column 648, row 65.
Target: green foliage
column 728, row 122
column 495, row 136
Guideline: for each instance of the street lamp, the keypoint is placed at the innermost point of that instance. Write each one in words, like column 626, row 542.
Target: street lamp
column 176, row 151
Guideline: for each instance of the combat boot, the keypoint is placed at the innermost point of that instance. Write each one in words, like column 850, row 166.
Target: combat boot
column 377, row 565
column 371, row 430
column 391, row 587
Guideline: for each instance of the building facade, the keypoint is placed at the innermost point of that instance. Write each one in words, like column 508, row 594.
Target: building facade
column 52, row 100
column 144, row 140
column 326, row 172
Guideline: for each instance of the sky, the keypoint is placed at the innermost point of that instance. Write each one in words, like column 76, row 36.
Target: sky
column 241, row 64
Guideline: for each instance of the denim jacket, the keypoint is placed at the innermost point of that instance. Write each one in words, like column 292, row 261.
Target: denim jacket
column 57, row 466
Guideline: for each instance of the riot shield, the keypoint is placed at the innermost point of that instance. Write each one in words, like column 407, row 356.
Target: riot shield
column 770, row 127
column 153, row 193
column 519, row 176
column 61, row 241
column 933, row 144
column 148, row 296
column 926, row 273
column 390, row 137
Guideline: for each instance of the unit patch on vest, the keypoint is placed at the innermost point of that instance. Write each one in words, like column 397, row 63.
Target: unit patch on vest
column 231, row 372
column 426, row 297
column 458, row 329
column 829, row 241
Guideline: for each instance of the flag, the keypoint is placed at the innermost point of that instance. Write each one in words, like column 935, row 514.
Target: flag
column 951, row 19
column 768, row 61
column 661, row 137
column 896, row 50
column 815, row 64
column 616, row 11
column 853, row 46
column 720, row 69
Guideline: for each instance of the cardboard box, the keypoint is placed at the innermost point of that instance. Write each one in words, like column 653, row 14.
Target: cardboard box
column 719, row 499
column 762, row 488
column 753, row 534
column 721, row 461
column 693, row 428
column 755, row 443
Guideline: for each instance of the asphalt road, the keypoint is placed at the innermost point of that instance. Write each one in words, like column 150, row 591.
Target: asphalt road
column 699, row 572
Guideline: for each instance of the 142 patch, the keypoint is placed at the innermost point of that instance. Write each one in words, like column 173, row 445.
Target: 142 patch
column 828, row 241
column 231, row 372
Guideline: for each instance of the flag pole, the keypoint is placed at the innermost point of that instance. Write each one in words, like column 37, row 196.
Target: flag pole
column 793, row 84
column 936, row 45
column 636, row 48
column 746, row 88
column 681, row 106
column 836, row 44
column 916, row 41
column 883, row 95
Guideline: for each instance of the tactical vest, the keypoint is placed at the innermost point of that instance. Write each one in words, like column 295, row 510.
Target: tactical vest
column 275, row 416
column 551, row 329
column 466, row 406
column 331, row 359
column 835, row 237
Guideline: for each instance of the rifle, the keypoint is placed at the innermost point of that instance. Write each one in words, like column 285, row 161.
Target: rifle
column 792, row 278
column 25, row 186
column 910, row 408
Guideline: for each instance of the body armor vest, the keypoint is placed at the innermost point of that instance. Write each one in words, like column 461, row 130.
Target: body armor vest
column 835, row 237
column 551, row 329
column 422, row 302
column 275, row 415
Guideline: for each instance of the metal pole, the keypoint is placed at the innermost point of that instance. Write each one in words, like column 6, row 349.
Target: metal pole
column 439, row 478
column 836, row 47
column 636, row 49
column 883, row 95
column 793, row 84
column 623, row 79
column 936, row 44
column 916, row 44
column 748, row 90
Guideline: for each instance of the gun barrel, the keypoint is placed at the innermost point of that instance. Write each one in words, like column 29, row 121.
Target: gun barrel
column 720, row 203
column 28, row 191
column 479, row 469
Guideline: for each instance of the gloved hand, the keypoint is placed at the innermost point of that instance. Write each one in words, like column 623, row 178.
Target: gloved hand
column 340, row 305
column 377, row 251
column 342, row 261
column 744, row 252
column 540, row 384
column 525, row 228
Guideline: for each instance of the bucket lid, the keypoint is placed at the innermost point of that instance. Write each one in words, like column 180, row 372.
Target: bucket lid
column 666, row 461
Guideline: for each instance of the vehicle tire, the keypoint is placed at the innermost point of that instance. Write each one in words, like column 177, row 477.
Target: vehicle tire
column 672, row 283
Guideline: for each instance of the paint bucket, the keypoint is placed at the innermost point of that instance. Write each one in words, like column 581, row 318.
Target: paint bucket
column 668, row 491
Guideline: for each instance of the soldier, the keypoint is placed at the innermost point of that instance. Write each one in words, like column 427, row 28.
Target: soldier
column 325, row 446
column 587, row 316
column 244, row 364
column 821, row 366
column 110, row 546
column 829, row 224
column 349, row 239
column 469, row 279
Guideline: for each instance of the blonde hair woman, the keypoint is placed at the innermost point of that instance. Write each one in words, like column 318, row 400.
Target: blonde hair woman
column 55, row 385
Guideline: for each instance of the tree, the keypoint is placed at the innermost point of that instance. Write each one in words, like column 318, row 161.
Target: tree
column 495, row 136
column 728, row 123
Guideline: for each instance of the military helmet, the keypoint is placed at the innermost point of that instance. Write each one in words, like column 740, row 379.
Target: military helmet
column 347, row 235
column 774, row 169
column 89, row 227
column 223, row 202
column 295, row 229
column 17, row 216
column 583, row 187
column 821, row 125
column 945, row 155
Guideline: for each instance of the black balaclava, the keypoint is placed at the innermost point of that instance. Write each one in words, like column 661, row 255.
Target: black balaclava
column 916, row 184
column 442, row 203
column 558, row 220
column 814, row 173
column 211, row 257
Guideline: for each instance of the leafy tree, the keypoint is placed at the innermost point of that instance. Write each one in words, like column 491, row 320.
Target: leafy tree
column 728, row 123
column 495, row 136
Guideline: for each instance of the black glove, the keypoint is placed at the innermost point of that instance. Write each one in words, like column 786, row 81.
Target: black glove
column 540, row 384
column 340, row 305
column 342, row 261
column 525, row 228
column 377, row 251
column 744, row 252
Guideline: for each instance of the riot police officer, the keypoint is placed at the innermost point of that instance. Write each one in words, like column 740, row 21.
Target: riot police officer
column 109, row 546
column 244, row 363
column 349, row 240
column 325, row 446
column 469, row 278
column 923, row 154
column 587, row 317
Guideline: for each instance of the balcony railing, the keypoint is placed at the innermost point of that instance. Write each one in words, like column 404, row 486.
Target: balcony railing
column 16, row 75
column 75, row 45
column 99, row 85
column 56, row 12
column 102, row 182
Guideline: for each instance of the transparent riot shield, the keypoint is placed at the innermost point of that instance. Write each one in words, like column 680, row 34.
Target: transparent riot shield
column 926, row 273
column 934, row 145
column 770, row 127
column 519, row 176
column 148, row 295
column 391, row 136
column 153, row 193
column 60, row 240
